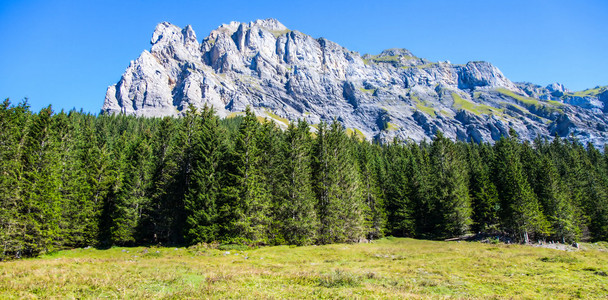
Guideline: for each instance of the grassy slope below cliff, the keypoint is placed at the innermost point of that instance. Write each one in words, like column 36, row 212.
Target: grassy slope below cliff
column 389, row 268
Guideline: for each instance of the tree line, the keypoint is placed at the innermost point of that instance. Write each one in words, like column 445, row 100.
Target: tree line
column 73, row 179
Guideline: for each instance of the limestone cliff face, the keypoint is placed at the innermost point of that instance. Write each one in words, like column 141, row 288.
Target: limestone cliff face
column 285, row 74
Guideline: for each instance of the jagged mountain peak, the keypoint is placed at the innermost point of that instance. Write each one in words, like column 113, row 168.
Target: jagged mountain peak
column 169, row 33
column 288, row 75
column 269, row 24
column 396, row 52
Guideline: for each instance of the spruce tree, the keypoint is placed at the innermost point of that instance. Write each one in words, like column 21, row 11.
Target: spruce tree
column 13, row 119
column 397, row 190
column 556, row 203
column 338, row 187
column 131, row 196
column 421, row 190
column 520, row 211
column 451, row 203
column 41, row 208
column 162, row 220
column 367, row 157
column 203, row 192
column 484, row 196
column 245, row 203
column 295, row 213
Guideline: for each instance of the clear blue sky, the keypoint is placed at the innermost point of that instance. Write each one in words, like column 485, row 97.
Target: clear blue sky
column 66, row 53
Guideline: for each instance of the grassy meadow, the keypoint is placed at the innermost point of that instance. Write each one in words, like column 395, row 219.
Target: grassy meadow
column 388, row 268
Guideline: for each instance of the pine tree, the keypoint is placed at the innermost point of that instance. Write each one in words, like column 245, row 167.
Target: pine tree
column 368, row 156
column 13, row 119
column 520, row 211
column 555, row 202
column 273, row 153
column 397, row 190
column 296, row 211
column 451, row 202
column 341, row 209
column 484, row 197
column 245, row 203
column 421, row 190
column 131, row 197
column 202, row 195
column 41, row 207
column 162, row 220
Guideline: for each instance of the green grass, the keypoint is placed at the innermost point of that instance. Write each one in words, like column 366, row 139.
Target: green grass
column 426, row 109
column 427, row 65
column 477, row 109
column 391, row 127
column 423, row 106
column 375, row 59
column 551, row 106
column 388, row 58
column 391, row 268
column 590, row 92
column 445, row 113
column 368, row 91
column 275, row 117
column 235, row 114
column 356, row 132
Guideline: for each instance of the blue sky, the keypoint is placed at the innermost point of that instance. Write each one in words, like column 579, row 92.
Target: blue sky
column 66, row 53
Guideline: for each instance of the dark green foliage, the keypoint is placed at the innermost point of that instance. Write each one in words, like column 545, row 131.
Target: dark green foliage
column 245, row 206
column 41, row 207
column 13, row 119
column 338, row 187
column 520, row 211
column 370, row 171
column 203, row 192
column 396, row 178
column 131, row 197
column 483, row 193
column 296, row 216
column 450, row 193
column 421, row 189
column 75, row 180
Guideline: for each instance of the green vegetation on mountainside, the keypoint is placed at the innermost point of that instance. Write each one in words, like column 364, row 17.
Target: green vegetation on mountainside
column 477, row 109
column 534, row 105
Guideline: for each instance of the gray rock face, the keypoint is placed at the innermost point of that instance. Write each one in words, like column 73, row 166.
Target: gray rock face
column 288, row 75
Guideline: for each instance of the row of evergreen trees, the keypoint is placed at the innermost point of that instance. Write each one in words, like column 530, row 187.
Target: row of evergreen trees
column 75, row 179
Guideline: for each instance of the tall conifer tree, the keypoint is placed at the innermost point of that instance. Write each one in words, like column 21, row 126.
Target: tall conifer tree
column 520, row 211
column 341, row 208
column 451, row 202
column 296, row 212
column 202, row 196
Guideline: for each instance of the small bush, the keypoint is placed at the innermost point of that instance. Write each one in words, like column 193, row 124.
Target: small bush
column 559, row 259
column 339, row 278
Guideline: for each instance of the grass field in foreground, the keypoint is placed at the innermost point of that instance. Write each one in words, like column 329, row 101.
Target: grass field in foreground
column 388, row 268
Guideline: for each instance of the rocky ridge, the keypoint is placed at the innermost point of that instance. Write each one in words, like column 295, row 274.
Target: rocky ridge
column 287, row 75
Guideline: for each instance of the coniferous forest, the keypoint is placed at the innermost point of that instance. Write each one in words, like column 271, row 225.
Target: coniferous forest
column 75, row 179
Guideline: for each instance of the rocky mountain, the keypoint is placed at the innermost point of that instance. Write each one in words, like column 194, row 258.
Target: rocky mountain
column 286, row 75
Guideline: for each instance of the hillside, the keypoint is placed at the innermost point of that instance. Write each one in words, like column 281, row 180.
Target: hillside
column 287, row 75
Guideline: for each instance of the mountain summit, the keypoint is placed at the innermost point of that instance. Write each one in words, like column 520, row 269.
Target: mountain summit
column 287, row 75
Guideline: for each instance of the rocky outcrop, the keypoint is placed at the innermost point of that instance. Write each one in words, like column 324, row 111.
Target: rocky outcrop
column 285, row 74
